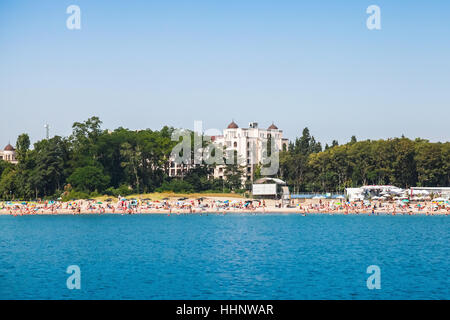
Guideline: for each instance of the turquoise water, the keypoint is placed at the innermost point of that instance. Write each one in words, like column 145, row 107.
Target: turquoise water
column 235, row 256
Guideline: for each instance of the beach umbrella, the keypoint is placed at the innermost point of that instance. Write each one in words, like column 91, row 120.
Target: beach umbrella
column 99, row 202
column 405, row 200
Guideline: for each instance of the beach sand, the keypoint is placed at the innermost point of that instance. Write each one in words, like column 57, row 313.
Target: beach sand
column 223, row 205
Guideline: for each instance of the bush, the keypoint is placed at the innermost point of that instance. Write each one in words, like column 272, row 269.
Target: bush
column 123, row 190
column 177, row 186
column 75, row 195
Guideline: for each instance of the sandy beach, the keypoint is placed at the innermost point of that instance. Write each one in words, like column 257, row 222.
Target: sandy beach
column 223, row 205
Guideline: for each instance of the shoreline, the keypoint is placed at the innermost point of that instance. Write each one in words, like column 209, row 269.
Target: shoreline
column 222, row 205
column 224, row 212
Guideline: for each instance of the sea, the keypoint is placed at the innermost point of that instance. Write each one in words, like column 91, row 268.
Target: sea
column 226, row 257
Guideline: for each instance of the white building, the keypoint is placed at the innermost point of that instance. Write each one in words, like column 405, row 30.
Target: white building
column 249, row 144
column 8, row 154
column 373, row 192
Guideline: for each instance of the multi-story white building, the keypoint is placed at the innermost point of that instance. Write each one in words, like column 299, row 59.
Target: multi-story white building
column 8, row 154
column 249, row 143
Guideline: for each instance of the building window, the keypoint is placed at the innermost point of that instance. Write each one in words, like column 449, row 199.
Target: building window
column 235, row 144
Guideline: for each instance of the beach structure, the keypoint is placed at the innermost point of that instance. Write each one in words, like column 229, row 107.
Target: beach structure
column 424, row 193
column 8, row 154
column 373, row 192
column 396, row 193
column 270, row 188
column 250, row 144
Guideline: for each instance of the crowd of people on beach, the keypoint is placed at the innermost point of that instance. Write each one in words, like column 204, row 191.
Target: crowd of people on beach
column 223, row 206
column 377, row 207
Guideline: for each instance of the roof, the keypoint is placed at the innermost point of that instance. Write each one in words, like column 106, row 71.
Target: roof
column 273, row 127
column 232, row 125
column 275, row 180
column 9, row 147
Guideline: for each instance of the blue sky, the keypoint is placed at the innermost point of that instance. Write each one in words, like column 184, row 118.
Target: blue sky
column 144, row 64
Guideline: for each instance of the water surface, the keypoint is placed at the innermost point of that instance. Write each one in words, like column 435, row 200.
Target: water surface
column 236, row 256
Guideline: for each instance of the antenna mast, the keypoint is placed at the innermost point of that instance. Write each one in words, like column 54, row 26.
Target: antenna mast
column 47, row 131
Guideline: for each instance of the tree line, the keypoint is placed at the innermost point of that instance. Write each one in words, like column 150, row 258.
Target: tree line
column 398, row 161
column 92, row 161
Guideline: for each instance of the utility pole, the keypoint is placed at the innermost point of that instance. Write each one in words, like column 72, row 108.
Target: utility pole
column 47, row 131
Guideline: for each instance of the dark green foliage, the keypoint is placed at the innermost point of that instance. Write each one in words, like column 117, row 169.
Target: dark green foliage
column 88, row 179
column 400, row 161
column 95, row 161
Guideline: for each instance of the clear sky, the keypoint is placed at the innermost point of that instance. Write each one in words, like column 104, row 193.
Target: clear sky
column 145, row 64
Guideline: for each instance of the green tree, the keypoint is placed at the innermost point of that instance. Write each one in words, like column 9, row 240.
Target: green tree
column 89, row 179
